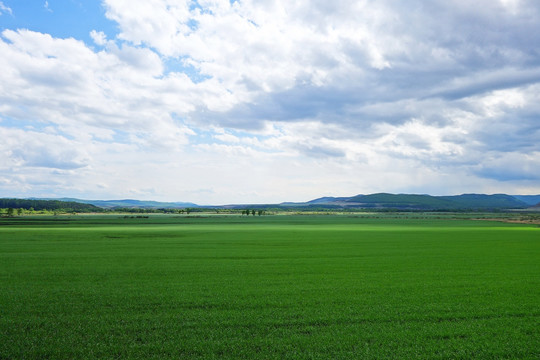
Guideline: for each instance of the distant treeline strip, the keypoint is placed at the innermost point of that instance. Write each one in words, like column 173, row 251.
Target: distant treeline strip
column 52, row 205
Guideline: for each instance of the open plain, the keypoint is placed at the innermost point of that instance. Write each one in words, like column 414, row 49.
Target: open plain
column 270, row 287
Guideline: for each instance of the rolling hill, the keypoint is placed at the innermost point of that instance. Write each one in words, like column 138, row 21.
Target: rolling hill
column 423, row 202
column 529, row 199
column 130, row 203
column 50, row 205
column 379, row 201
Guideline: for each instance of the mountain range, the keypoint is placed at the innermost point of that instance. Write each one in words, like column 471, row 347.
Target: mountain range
column 371, row 201
column 131, row 203
column 429, row 202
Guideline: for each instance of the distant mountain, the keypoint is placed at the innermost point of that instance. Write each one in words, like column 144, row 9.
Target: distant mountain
column 480, row 201
column 130, row 203
column 379, row 201
column 405, row 201
column 424, row 202
column 49, row 205
column 529, row 199
column 325, row 200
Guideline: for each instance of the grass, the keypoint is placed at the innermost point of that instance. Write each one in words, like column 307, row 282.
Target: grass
column 296, row 287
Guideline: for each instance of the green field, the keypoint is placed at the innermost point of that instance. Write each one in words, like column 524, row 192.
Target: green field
column 270, row 287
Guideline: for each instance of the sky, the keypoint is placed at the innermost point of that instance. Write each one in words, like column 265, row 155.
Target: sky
column 260, row 101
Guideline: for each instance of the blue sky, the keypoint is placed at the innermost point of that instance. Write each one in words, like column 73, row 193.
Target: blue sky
column 216, row 101
column 61, row 19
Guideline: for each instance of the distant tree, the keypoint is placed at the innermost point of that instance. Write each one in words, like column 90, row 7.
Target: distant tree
column 188, row 210
column 253, row 212
column 10, row 212
column 260, row 212
column 19, row 211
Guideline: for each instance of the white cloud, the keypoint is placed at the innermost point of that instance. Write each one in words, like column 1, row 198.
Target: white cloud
column 5, row 9
column 38, row 149
column 251, row 45
column 99, row 37
column 275, row 100
column 63, row 82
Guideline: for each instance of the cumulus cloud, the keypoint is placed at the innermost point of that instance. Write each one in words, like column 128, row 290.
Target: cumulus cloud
column 38, row 149
column 511, row 166
column 65, row 83
column 99, row 37
column 334, row 90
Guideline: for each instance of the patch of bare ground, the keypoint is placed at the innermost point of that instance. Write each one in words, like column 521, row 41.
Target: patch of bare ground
column 524, row 220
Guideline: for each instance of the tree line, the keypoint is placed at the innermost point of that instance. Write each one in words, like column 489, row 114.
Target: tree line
column 253, row 212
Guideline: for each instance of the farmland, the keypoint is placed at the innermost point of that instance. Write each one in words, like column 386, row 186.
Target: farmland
column 273, row 287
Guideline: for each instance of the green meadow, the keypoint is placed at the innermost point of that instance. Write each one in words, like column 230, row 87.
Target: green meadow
column 269, row 287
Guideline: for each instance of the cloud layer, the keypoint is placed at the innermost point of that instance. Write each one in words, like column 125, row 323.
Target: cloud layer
column 215, row 101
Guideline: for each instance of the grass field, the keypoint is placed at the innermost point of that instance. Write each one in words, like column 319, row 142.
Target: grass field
column 270, row 287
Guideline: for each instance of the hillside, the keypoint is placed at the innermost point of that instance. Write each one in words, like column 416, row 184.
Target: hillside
column 480, row 201
column 130, row 203
column 425, row 202
column 142, row 204
column 529, row 199
column 400, row 201
column 379, row 201
column 50, row 205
